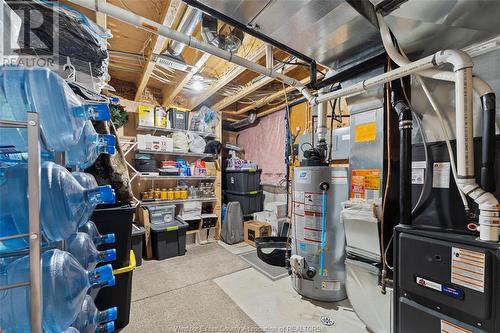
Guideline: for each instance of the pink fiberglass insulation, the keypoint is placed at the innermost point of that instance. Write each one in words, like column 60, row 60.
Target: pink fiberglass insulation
column 264, row 144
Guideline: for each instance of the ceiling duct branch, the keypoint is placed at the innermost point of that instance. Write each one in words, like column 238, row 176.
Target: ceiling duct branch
column 191, row 19
column 210, row 33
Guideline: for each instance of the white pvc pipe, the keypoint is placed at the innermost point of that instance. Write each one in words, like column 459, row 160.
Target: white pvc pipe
column 159, row 29
column 419, row 65
column 480, row 86
column 489, row 218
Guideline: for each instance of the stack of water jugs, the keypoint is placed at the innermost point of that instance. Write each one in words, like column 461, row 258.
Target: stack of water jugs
column 67, row 202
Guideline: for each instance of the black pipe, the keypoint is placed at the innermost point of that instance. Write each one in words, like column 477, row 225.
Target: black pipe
column 488, row 144
column 350, row 72
column 405, row 128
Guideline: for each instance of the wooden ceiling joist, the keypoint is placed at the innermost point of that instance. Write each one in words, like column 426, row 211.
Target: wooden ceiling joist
column 248, row 90
column 171, row 16
column 233, row 73
column 266, row 100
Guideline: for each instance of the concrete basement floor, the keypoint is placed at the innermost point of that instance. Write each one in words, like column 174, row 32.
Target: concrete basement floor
column 211, row 289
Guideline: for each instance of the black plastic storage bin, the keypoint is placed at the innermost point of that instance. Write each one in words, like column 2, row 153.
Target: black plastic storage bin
column 117, row 220
column 137, row 240
column 169, row 239
column 243, row 180
column 178, row 119
column 280, row 251
column 250, row 202
column 120, row 295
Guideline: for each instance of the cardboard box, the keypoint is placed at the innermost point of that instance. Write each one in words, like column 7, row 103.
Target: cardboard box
column 211, row 169
column 230, row 137
column 146, row 115
column 154, row 143
column 270, row 218
column 255, row 229
column 277, row 207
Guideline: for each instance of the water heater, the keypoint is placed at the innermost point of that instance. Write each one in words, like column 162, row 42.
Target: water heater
column 318, row 239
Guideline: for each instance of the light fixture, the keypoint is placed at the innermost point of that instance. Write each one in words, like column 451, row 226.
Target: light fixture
column 197, row 85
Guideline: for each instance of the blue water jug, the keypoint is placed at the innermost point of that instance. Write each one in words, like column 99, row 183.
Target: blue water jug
column 64, row 284
column 89, row 147
column 90, row 229
column 89, row 319
column 81, row 246
column 65, row 204
column 62, row 114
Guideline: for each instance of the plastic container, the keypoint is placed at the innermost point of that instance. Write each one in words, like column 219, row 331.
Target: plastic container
column 89, row 147
column 169, row 239
column 64, row 284
column 273, row 250
column 243, row 180
column 65, row 204
column 178, row 119
column 146, row 165
column 81, row 246
column 120, row 295
column 91, row 229
column 117, row 220
column 250, row 202
column 161, row 214
column 62, row 113
column 137, row 240
column 89, row 319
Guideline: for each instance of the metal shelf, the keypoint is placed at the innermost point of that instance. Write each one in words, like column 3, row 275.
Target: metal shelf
column 174, row 130
column 176, row 202
column 173, row 153
column 35, row 270
column 149, row 177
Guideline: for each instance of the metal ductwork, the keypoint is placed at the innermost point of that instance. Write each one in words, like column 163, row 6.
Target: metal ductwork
column 251, row 120
column 210, row 33
column 192, row 17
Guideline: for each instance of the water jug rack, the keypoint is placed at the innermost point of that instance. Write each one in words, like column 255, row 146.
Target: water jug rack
column 33, row 234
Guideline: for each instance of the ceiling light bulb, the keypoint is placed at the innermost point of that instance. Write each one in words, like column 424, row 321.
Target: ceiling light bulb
column 197, row 85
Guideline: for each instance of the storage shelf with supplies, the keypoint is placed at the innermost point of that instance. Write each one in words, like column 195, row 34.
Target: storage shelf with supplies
column 174, row 202
column 145, row 176
column 174, row 130
column 174, row 153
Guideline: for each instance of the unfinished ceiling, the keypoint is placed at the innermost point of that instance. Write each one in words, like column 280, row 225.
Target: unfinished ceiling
column 332, row 32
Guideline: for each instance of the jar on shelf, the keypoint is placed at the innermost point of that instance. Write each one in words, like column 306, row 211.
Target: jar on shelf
column 184, row 193
column 164, row 194
column 178, row 194
column 157, row 194
column 171, row 194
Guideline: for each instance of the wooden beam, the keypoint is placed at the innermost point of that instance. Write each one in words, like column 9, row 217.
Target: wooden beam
column 233, row 73
column 277, row 108
column 264, row 80
column 170, row 17
column 167, row 100
column 266, row 100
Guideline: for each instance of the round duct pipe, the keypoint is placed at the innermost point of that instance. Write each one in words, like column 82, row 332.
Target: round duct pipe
column 210, row 34
column 192, row 17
